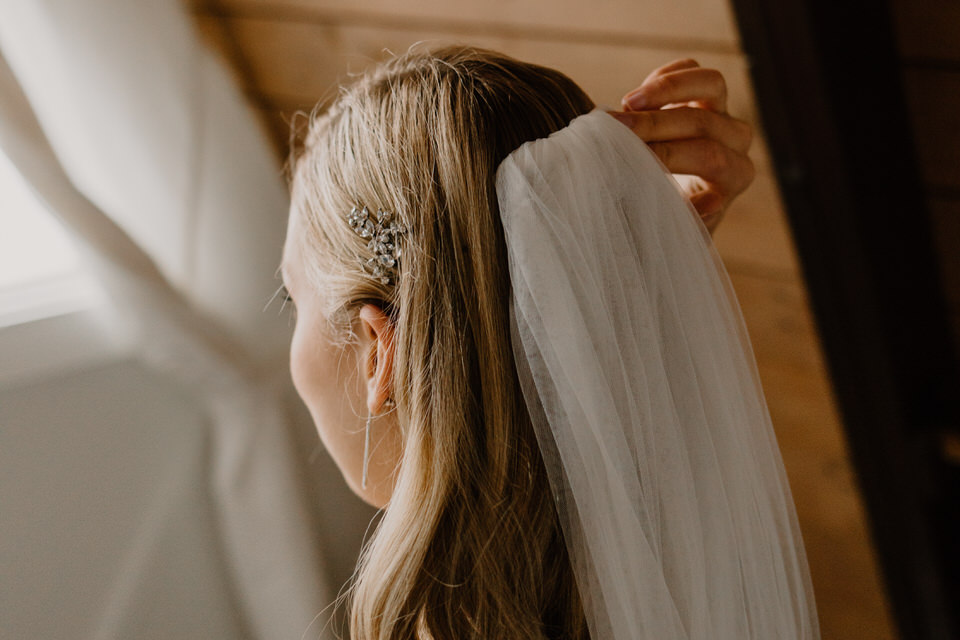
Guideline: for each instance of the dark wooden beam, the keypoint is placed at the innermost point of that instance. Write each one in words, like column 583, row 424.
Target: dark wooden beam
column 827, row 79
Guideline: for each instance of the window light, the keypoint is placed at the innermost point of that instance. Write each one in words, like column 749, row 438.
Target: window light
column 41, row 271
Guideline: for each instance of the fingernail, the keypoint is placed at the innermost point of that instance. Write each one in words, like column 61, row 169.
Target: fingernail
column 636, row 100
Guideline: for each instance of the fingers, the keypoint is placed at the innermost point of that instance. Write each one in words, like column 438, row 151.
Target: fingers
column 682, row 63
column 680, row 111
column 688, row 122
column 726, row 171
column 704, row 86
column 700, row 143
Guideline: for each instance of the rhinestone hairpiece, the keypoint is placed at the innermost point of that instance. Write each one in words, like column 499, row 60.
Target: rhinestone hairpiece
column 382, row 231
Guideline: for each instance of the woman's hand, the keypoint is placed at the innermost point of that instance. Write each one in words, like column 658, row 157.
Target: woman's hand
column 680, row 111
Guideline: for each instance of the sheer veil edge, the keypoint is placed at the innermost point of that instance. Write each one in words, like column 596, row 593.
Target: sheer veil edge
column 639, row 376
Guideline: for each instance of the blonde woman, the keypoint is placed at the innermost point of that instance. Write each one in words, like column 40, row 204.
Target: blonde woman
column 514, row 336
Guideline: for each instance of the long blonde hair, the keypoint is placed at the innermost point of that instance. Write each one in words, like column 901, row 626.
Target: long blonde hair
column 469, row 545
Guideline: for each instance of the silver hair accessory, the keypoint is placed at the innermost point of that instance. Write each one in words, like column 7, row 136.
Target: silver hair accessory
column 383, row 232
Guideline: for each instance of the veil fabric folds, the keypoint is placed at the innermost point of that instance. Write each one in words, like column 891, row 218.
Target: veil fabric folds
column 640, row 378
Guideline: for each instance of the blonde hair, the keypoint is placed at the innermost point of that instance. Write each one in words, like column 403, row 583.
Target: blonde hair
column 469, row 545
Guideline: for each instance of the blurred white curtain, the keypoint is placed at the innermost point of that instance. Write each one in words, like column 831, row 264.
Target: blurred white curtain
column 138, row 140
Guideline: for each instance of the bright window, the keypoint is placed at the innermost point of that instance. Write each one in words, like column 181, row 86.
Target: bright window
column 41, row 271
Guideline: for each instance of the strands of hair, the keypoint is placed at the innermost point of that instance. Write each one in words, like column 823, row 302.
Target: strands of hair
column 470, row 545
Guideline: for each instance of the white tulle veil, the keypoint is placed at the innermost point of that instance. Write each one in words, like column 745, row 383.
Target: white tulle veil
column 640, row 378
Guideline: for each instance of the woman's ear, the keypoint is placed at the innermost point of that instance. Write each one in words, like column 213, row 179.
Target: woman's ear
column 378, row 362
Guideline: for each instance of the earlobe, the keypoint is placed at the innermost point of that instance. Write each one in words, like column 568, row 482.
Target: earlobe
column 379, row 365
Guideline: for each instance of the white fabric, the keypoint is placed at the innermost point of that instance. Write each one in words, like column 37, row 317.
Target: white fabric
column 149, row 127
column 639, row 374
column 138, row 141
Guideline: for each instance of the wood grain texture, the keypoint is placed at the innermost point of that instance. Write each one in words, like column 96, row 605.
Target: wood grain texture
column 754, row 236
column 695, row 24
column 295, row 65
column 848, row 588
column 304, row 62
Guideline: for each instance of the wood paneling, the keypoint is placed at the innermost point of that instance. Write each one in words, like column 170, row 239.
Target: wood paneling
column 850, row 600
column 293, row 65
column 690, row 24
column 753, row 236
column 303, row 62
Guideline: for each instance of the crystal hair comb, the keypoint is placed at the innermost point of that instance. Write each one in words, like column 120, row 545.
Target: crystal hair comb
column 383, row 232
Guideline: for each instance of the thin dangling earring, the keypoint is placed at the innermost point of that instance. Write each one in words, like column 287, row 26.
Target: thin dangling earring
column 389, row 402
column 366, row 452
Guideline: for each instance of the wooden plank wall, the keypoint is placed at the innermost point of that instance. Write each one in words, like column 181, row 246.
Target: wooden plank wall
column 289, row 54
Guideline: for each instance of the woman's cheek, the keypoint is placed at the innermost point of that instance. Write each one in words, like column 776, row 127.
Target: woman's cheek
column 321, row 373
column 297, row 366
column 308, row 369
